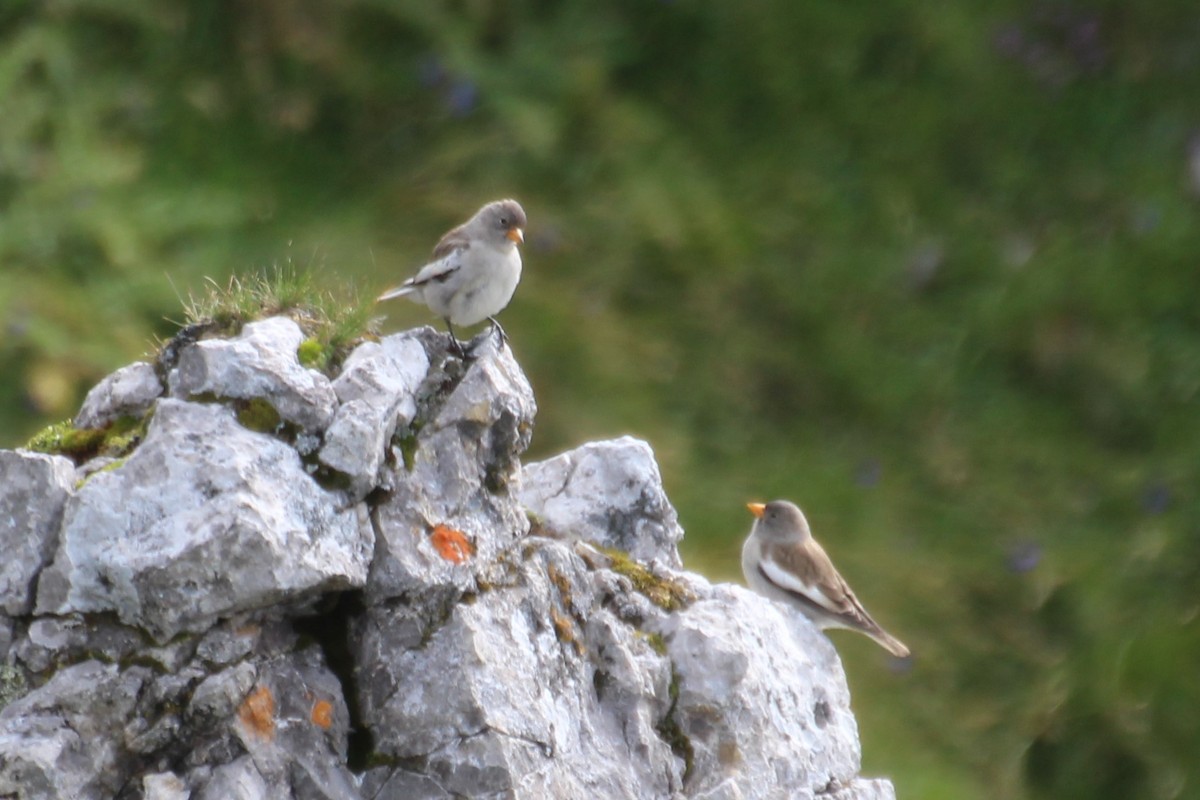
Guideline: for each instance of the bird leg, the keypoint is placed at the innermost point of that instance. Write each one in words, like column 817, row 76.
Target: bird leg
column 455, row 344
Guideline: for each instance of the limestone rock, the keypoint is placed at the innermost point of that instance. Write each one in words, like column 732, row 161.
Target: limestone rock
column 164, row 786
column 377, row 391
column 865, row 789
column 128, row 392
column 205, row 519
column 377, row 601
column 531, row 689
column 63, row 739
column 33, row 490
column 456, row 480
column 609, row 493
column 260, row 363
column 237, row 780
column 761, row 697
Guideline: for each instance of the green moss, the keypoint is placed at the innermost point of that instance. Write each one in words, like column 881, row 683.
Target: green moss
column 12, row 684
column 672, row 733
column 657, row 643
column 257, row 414
column 109, row 467
column 125, row 434
column 312, row 353
column 406, row 440
column 666, row 593
column 63, row 438
column 331, row 480
column 83, row 444
column 116, row 463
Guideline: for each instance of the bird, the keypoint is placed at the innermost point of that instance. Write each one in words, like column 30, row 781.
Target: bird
column 782, row 561
column 474, row 272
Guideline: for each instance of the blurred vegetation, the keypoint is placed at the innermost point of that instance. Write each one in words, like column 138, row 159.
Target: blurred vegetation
column 928, row 269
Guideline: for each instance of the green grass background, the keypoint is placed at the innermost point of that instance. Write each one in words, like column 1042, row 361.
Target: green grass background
column 929, row 269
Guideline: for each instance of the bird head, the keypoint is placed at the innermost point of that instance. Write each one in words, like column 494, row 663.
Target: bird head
column 779, row 520
column 504, row 220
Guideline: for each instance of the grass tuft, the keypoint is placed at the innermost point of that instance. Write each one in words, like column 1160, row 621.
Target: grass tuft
column 333, row 322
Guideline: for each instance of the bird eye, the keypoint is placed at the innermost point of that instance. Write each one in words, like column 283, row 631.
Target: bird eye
column 504, row 221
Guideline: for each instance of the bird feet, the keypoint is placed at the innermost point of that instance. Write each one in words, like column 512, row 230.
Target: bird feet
column 501, row 336
column 466, row 351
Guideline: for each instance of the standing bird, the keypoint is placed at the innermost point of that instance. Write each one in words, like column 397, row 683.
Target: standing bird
column 781, row 560
column 474, row 272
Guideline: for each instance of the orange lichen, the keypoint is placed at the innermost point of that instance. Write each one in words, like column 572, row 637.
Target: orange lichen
column 322, row 714
column 257, row 712
column 452, row 545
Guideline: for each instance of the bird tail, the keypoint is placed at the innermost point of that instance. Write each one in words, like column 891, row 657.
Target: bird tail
column 889, row 643
column 399, row 291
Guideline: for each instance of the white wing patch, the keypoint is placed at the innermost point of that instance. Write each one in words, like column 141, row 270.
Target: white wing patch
column 790, row 583
column 434, row 271
column 437, row 270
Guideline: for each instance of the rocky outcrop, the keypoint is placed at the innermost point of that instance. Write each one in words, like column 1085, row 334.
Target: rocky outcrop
column 298, row 586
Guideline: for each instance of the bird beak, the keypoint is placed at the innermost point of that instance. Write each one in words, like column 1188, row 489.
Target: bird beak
column 515, row 235
column 756, row 509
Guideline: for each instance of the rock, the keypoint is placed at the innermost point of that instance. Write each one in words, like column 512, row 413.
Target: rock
column 204, row 520
column 865, row 789
column 63, row 740
column 503, row 695
column 220, row 694
column 608, row 493
column 260, row 363
column 213, row 621
column 164, row 786
column 89, row 730
column 237, row 780
column 128, row 392
column 51, row 640
column 33, row 490
column 301, row 742
column 457, row 481
column 761, row 697
column 377, row 391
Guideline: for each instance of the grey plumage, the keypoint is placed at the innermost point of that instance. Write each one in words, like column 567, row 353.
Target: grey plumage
column 475, row 269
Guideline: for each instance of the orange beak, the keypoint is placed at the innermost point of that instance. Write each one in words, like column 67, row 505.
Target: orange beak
column 515, row 235
column 756, row 509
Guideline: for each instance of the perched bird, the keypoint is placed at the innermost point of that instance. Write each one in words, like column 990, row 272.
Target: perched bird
column 781, row 560
column 475, row 269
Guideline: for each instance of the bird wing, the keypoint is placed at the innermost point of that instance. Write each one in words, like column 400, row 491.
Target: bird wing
column 433, row 272
column 805, row 571
column 438, row 271
column 455, row 239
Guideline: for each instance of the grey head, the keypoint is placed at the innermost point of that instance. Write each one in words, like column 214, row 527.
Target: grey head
column 779, row 521
column 501, row 220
